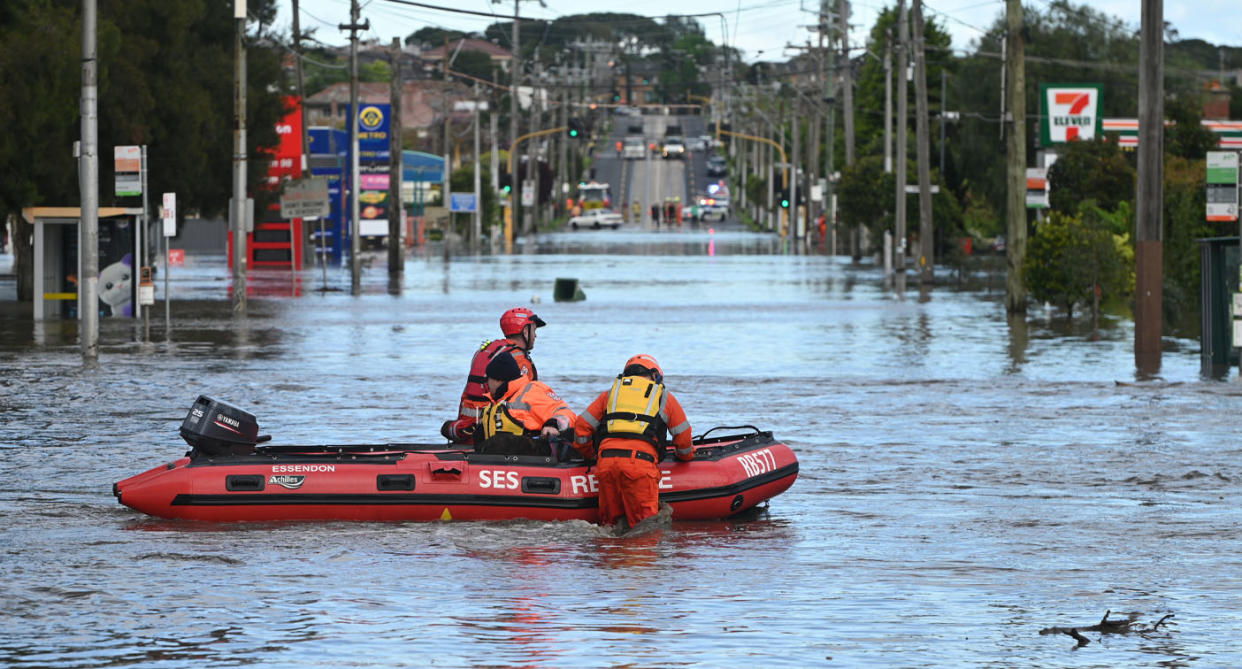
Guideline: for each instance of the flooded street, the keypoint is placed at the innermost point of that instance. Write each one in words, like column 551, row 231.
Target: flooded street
column 966, row 480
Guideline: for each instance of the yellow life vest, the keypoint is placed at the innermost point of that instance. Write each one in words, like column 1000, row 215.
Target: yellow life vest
column 633, row 410
column 496, row 420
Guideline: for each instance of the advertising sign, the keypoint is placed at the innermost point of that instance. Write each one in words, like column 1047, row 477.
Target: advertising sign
column 1069, row 112
column 1222, row 186
column 374, row 124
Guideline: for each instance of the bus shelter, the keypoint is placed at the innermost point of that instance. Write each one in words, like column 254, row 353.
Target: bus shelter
column 57, row 263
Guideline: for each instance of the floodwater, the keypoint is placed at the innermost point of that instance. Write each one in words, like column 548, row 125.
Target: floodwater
column 966, row 480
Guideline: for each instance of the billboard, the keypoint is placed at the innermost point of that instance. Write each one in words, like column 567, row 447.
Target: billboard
column 1069, row 112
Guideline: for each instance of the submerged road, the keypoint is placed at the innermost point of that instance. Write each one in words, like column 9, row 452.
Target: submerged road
column 966, row 479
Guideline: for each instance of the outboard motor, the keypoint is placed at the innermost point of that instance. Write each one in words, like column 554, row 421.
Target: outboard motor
column 214, row 428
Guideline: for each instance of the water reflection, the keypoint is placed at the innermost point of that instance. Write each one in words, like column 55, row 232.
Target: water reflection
column 1018, row 335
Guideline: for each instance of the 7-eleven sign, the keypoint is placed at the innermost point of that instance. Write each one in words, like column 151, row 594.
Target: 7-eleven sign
column 1069, row 112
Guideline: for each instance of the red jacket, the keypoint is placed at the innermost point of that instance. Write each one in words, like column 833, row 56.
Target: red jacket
column 474, row 396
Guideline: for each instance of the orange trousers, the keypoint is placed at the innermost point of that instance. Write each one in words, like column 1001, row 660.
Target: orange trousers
column 627, row 487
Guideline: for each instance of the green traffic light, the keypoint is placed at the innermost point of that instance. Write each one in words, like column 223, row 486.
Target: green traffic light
column 508, row 188
column 784, row 204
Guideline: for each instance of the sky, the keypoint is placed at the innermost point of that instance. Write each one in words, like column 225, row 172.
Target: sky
column 762, row 29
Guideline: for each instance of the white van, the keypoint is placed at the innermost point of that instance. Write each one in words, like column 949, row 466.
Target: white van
column 633, row 148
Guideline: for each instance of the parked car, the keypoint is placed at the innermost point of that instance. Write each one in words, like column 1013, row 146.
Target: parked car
column 696, row 144
column 717, row 167
column 709, row 142
column 596, row 219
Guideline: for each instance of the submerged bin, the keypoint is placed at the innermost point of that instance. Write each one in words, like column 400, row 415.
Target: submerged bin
column 1218, row 281
column 567, row 290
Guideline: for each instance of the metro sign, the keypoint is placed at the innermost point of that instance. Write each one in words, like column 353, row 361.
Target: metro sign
column 1069, row 112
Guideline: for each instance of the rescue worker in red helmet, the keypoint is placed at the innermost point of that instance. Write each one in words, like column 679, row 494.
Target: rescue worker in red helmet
column 518, row 326
column 624, row 429
column 520, row 405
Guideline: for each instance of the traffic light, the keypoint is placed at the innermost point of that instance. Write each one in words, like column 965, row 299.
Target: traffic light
column 574, row 129
column 506, row 182
column 616, row 96
column 783, row 196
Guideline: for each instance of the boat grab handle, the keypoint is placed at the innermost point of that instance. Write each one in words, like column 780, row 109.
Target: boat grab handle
column 703, row 436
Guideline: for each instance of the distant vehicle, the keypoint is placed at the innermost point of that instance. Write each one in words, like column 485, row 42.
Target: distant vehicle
column 634, row 129
column 672, row 131
column 594, row 195
column 696, row 144
column 717, row 167
column 709, row 141
column 625, row 110
column 714, row 204
column 674, row 147
column 596, row 219
column 633, row 148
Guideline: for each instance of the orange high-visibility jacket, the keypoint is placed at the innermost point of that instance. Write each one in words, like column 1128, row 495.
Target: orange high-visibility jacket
column 670, row 414
column 474, row 397
column 531, row 404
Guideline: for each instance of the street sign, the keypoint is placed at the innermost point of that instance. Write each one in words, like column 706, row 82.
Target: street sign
column 170, row 214
column 306, row 198
column 127, row 164
column 462, row 202
column 914, row 188
column 528, row 195
column 1037, row 188
column 1222, row 186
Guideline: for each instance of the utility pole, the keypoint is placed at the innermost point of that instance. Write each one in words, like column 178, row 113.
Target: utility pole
column 795, row 127
column 355, row 240
column 847, row 79
column 944, row 97
column 1149, row 244
column 923, row 150
column 562, row 159
column 477, row 234
column 396, row 255
column 88, row 183
column 903, row 52
column 297, row 69
column 888, row 101
column 1015, row 161
column 493, row 114
column 239, row 159
column 301, row 91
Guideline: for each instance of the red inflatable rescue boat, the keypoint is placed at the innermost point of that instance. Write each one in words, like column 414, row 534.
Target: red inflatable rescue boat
column 227, row 476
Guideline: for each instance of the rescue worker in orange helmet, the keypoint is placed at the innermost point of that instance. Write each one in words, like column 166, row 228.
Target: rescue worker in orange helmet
column 624, row 429
column 520, row 405
column 518, row 326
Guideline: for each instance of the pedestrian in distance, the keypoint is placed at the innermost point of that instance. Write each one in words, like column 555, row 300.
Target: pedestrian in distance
column 625, row 429
column 520, row 410
column 518, row 325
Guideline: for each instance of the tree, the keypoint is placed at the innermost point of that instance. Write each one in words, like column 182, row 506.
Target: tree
column 1187, row 137
column 1076, row 257
column 165, row 80
column 865, row 195
column 1090, row 170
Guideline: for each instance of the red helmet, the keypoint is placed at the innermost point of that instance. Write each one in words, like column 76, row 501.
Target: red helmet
column 515, row 320
column 648, row 363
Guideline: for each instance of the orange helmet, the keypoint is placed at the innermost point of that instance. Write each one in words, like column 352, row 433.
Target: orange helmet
column 648, row 364
column 515, row 320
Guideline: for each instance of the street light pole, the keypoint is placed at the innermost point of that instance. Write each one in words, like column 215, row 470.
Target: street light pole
column 239, row 160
